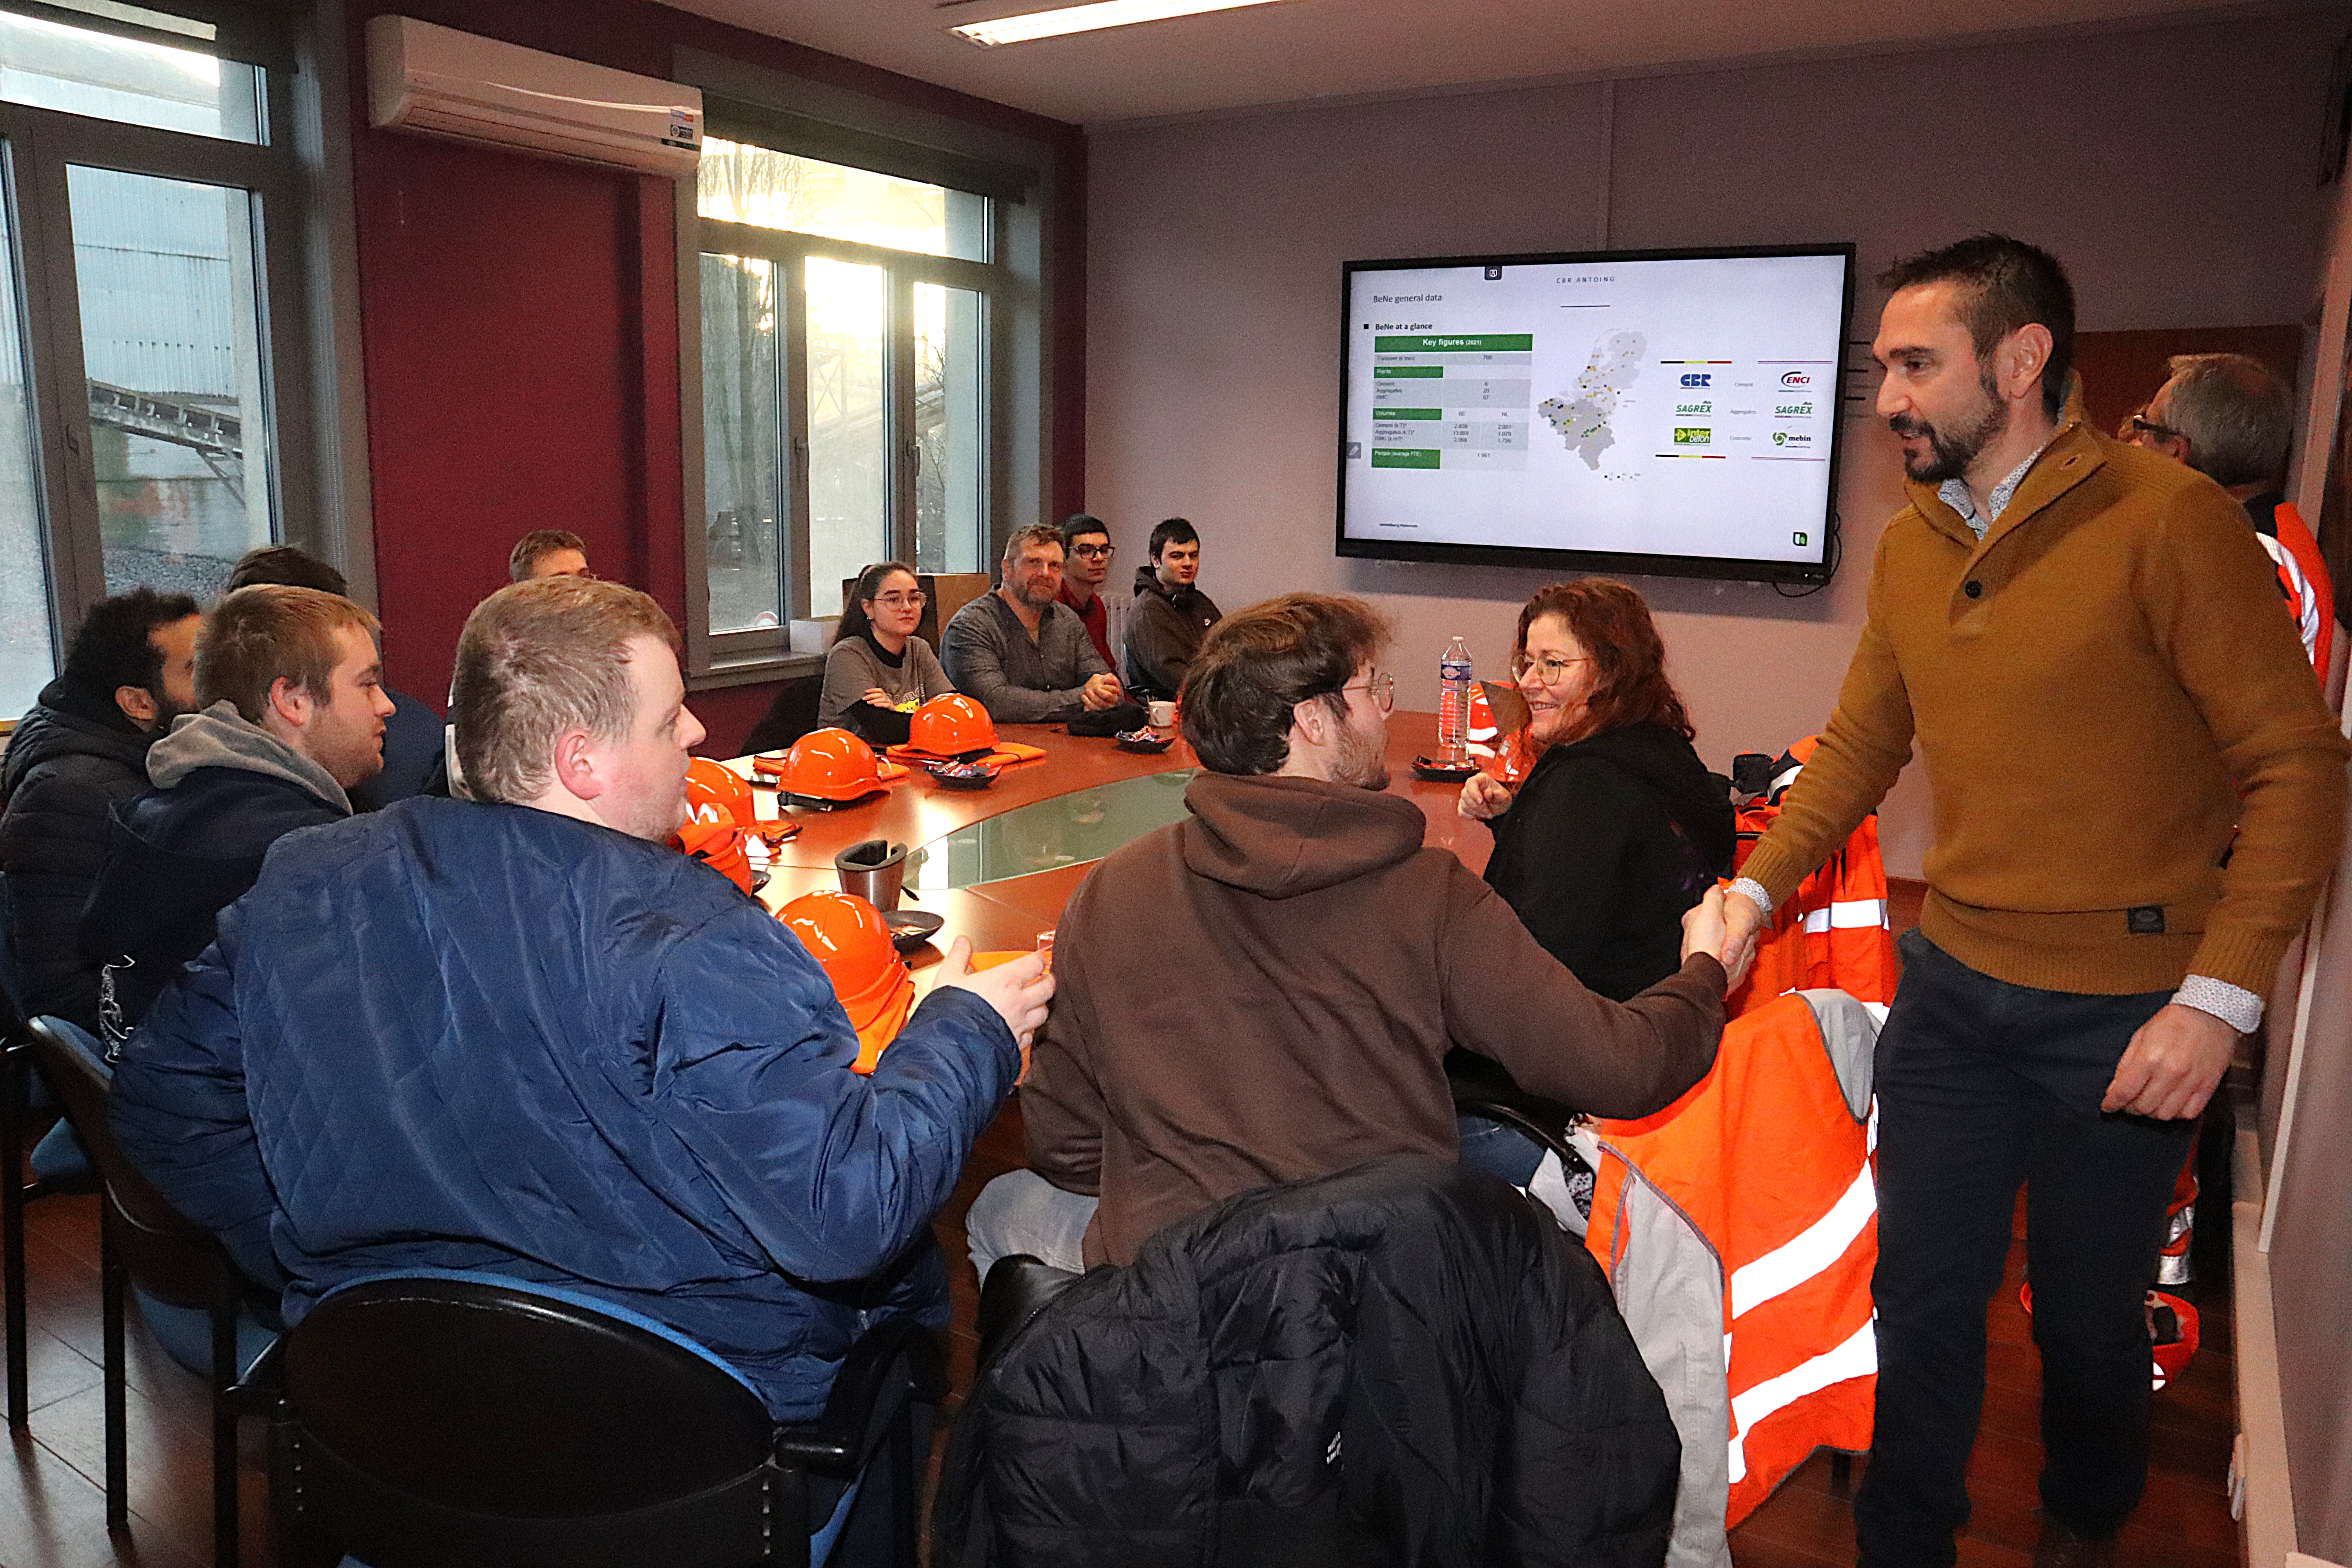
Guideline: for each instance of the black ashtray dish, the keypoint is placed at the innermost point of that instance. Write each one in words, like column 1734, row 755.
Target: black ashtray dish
column 1147, row 740
column 1437, row 770
column 910, row 929
column 964, row 775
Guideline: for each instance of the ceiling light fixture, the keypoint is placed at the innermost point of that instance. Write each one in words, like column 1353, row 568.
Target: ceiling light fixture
column 1087, row 18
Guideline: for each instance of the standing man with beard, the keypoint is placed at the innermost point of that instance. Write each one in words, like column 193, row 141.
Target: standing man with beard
column 1266, row 991
column 2138, row 791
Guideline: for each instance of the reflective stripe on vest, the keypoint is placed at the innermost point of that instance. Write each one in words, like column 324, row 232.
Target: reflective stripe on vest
column 1766, row 1162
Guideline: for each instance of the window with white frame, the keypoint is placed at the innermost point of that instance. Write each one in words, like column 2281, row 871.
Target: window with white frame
column 148, row 212
column 849, row 323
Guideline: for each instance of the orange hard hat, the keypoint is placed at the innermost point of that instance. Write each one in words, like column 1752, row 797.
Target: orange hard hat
column 951, row 725
column 720, row 846
column 830, row 767
column 848, row 937
column 716, row 793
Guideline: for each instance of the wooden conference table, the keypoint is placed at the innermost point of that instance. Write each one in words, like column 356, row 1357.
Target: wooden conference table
column 1080, row 773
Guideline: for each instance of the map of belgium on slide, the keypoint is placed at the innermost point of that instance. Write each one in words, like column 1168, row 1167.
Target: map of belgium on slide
column 1582, row 420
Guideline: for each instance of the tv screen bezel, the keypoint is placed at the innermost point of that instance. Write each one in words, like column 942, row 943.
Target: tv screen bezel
column 1722, row 568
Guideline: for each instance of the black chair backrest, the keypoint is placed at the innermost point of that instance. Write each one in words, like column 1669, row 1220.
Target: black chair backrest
column 169, row 1255
column 791, row 715
column 486, row 1400
column 1017, row 1288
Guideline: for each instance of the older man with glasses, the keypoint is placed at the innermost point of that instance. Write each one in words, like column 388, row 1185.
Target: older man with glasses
column 1266, row 991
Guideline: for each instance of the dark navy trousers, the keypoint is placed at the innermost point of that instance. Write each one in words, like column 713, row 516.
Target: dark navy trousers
column 1984, row 1086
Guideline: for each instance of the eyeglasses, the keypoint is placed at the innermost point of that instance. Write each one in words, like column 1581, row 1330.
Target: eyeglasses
column 1548, row 670
column 2140, row 425
column 1380, row 689
column 1095, row 552
column 914, row 601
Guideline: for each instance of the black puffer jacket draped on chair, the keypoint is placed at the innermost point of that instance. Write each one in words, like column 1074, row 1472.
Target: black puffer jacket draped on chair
column 1405, row 1362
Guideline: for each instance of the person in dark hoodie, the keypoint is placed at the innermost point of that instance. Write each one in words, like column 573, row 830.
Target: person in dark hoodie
column 1266, row 991
column 1617, row 830
column 80, row 749
column 293, row 711
column 1171, row 615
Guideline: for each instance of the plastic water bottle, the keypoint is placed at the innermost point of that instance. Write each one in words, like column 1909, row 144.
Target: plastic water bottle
column 1455, row 679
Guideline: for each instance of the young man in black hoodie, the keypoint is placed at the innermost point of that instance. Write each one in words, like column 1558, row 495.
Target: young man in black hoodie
column 293, row 711
column 1171, row 615
column 80, row 749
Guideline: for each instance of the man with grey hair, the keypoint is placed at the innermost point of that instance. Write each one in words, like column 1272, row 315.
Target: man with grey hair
column 1026, row 657
column 521, row 1034
column 2230, row 418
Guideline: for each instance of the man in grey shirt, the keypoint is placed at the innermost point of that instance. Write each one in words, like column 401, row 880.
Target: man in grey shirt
column 1027, row 658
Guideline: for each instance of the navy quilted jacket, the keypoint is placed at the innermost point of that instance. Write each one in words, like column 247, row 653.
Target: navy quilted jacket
column 465, row 1035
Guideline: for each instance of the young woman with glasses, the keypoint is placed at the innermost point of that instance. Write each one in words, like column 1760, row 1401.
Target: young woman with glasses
column 879, row 671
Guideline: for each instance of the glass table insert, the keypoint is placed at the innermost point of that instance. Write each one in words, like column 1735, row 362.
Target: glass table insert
column 1068, row 830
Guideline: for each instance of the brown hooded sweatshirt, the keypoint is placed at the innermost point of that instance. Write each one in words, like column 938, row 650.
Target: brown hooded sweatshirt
column 1267, row 992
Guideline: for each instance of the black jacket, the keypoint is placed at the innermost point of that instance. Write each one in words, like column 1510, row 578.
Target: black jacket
column 180, row 853
column 71, row 759
column 1404, row 1363
column 1163, row 632
column 1605, row 846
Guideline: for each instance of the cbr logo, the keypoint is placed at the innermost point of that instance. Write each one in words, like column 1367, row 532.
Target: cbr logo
column 1796, row 378
column 1699, row 378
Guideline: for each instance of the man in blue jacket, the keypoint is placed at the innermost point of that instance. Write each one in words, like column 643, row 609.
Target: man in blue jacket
column 519, row 1033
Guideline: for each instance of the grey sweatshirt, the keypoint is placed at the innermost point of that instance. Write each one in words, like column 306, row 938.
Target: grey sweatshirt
column 853, row 668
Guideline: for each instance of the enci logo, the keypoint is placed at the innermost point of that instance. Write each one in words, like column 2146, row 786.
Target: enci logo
column 1796, row 378
column 1699, row 378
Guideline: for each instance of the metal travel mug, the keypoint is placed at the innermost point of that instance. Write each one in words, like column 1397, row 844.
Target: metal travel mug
column 874, row 871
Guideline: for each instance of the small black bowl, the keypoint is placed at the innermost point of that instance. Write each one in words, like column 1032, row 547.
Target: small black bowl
column 910, row 929
column 964, row 775
column 1437, row 771
column 1148, row 741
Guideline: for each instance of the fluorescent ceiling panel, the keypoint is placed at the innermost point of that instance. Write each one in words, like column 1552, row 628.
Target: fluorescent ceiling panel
column 1088, row 18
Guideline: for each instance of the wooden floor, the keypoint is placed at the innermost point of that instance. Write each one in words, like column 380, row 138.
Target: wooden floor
column 52, row 1510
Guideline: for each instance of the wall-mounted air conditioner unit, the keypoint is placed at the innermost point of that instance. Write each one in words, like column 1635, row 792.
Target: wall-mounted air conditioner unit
column 437, row 81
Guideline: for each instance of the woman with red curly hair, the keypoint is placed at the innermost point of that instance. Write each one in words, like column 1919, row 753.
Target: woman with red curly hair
column 1619, row 828
column 1614, row 833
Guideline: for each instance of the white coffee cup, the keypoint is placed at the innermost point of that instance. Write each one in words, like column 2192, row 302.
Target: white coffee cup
column 1163, row 715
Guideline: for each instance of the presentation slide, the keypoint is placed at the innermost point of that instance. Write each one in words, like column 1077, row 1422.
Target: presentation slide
column 1663, row 407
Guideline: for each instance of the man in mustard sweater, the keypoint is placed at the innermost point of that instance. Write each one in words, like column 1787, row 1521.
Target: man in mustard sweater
column 2138, row 791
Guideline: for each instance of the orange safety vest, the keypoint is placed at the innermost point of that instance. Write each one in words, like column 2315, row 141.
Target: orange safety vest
column 2304, row 580
column 1836, row 932
column 1768, row 1161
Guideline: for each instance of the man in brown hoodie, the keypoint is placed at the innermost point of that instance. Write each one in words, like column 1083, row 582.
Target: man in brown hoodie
column 1266, row 992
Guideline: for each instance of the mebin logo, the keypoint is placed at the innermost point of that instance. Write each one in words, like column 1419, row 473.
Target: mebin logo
column 1699, row 378
column 1791, row 439
column 1792, row 408
column 1797, row 378
column 1689, row 408
column 1693, row 435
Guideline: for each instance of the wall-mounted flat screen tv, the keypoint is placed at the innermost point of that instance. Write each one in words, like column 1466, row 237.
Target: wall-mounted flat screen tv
column 1644, row 410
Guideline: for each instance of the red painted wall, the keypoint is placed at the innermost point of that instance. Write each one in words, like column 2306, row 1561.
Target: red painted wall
column 519, row 328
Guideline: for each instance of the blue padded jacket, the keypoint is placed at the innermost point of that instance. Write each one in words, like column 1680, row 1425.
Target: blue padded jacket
column 461, row 1036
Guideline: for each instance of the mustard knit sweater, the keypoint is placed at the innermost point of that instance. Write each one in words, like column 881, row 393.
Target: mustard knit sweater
column 2103, row 688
